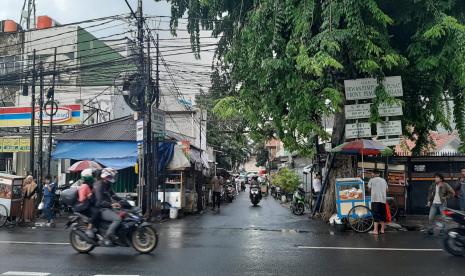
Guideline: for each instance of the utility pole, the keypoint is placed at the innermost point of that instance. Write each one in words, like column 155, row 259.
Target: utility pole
column 148, row 136
column 33, row 116
column 41, row 125
column 51, row 100
column 157, row 104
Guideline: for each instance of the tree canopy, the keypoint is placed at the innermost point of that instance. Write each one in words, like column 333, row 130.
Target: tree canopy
column 285, row 61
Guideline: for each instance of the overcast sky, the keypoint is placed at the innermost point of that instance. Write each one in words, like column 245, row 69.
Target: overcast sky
column 68, row 11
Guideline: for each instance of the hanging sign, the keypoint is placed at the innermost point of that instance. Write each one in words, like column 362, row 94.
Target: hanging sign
column 158, row 122
column 389, row 128
column 358, row 130
column 360, row 89
column 390, row 110
column 140, row 131
column 357, row 111
column 390, row 141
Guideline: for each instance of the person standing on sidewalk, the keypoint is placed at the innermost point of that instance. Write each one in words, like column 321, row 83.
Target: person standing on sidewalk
column 49, row 196
column 462, row 190
column 378, row 187
column 438, row 194
column 217, row 187
column 29, row 202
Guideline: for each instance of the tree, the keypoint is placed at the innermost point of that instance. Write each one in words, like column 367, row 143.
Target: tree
column 262, row 156
column 286, row 61
column 286, row 179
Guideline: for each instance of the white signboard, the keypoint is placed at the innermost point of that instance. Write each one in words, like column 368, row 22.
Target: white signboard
column 158, row 122
column 390, row 110
column 140, row 131
column 360, row 89
column 357, row 111
column 358, row 130
column 390, row 142
column 389, row 128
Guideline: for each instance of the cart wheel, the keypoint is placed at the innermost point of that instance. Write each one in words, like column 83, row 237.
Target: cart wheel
column 3, row 215
column 360, row 219
column 392, row 207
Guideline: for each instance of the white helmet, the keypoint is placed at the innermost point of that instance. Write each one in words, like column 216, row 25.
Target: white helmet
column 109, row 174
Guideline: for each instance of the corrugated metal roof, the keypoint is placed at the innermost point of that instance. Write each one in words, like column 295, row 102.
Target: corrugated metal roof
column 122, row 129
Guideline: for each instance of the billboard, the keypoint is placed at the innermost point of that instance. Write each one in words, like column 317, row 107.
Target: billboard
column 21, row 116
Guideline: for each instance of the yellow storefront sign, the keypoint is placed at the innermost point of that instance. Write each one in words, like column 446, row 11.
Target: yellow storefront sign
column 14, row 144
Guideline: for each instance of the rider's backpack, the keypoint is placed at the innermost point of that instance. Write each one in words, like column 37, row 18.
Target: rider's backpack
column 69, row 196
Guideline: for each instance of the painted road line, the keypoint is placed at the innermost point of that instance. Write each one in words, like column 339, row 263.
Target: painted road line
column 370, row 248
column 113, row 275
column 34, row 243
column 24, row 273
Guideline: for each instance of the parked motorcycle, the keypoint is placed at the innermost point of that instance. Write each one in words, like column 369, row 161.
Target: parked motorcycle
column 298, row 202
column 454, row 240
column 255, row 195
column 133, row 231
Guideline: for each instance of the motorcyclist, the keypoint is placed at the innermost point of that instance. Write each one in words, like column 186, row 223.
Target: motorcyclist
column 104, row 200
column 86, row 200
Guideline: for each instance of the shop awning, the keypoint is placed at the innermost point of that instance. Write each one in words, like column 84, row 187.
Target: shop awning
column 115, row 154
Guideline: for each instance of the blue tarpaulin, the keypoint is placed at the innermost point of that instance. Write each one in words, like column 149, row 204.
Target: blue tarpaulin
column 118, row 154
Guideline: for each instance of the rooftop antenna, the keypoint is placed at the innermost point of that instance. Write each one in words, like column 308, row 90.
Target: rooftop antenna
column 28, row 14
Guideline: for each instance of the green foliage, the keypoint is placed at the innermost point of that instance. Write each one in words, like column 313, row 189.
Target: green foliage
column 262, row 157
column 286, row 61
column 286, row 179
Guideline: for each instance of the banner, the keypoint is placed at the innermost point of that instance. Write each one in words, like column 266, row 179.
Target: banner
column 21, row 116
column 14, row 144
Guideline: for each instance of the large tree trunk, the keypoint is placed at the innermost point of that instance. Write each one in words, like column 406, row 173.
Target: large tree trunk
column 340, row 167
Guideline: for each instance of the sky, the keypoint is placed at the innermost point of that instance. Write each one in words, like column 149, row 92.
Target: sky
column 68, row 11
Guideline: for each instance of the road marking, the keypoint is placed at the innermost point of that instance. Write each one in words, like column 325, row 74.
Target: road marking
column 371, row 248
column 34, row 243
column 113, row 275
column 24, row 273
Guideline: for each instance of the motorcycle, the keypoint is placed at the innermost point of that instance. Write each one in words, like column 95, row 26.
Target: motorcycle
column 255, row 195
column 133, row 231
column 229, row 193
column 298, row 202
column 242, row 186
column 454, row 240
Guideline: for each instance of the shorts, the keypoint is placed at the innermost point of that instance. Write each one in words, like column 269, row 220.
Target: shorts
column 379, row 211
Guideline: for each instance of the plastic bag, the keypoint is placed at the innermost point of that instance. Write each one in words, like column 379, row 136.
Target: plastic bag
column 41, row 205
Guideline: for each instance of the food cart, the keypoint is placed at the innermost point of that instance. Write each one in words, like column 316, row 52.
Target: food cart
column 353, row 206
column 11, row 196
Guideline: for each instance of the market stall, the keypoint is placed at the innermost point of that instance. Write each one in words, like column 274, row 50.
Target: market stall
column 11, row 196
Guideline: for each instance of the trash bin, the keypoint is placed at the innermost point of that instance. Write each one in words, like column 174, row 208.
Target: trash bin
column 173, row 213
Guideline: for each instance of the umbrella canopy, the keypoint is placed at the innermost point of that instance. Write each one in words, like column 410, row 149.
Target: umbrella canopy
column 85, row 164
column 362, row 147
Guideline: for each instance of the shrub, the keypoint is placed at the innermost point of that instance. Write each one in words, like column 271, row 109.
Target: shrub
column 286, row 179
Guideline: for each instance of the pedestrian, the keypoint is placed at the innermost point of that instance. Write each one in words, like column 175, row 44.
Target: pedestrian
column 29, row 199
column 217, row 187
column 438, row 194
column 462, row 190
column 49, row 190
column 317, row 184
column 378, row 187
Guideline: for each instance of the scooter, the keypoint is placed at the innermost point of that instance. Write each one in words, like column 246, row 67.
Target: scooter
column 298, row 202
column 454, row 240
column 255, row 195
column 229, row 193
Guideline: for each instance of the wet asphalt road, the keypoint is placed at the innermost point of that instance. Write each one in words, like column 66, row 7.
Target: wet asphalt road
column 240, row 240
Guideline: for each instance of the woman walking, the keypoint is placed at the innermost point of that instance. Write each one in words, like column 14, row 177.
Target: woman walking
column 29, row 199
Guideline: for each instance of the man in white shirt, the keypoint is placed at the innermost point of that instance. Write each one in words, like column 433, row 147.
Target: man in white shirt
column 378, row 187
column 317, row 184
